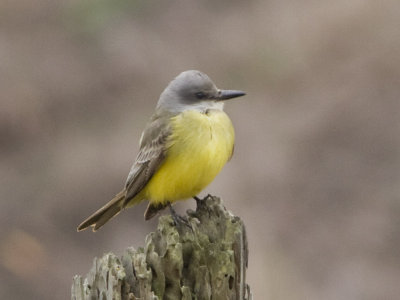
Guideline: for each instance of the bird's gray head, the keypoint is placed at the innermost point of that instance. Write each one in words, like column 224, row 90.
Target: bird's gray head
column 194, row 90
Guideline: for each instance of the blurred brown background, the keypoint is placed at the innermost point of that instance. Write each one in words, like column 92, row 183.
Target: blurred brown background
column 315, row 175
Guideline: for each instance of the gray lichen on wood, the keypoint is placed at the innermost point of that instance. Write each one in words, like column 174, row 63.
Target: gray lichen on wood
column 202, row 258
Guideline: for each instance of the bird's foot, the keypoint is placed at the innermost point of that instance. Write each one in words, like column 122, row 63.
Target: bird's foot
column 198, row 201
column 179, row 219
column 202, row 202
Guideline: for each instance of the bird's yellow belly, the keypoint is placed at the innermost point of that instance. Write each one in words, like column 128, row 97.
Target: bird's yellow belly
column 198, row 148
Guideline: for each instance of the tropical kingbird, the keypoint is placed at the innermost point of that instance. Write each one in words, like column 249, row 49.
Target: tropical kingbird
column 183, row 147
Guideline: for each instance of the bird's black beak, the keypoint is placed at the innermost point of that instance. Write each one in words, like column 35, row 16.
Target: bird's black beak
column 229, row 94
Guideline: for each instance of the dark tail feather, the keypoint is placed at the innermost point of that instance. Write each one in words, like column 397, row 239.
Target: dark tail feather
column 152, row 210
column 100, row 217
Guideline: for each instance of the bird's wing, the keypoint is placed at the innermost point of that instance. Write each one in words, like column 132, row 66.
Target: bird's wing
column 153, row 146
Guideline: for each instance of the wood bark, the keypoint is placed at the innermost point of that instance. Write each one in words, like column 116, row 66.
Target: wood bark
column 202, row 257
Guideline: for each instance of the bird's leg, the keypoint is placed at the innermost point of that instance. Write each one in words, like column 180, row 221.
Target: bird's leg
column 202, row 202
column 177, row 218
column 198, row 201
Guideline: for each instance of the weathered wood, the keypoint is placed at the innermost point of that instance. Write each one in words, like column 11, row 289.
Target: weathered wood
column 204, row 257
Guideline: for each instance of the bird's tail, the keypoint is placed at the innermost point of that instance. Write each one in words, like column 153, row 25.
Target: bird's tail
column 100, row 217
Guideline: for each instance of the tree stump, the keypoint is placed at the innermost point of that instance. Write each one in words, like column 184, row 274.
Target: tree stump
column 204, row 256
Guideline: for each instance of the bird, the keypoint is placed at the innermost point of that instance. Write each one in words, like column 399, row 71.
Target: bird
column 184, row 145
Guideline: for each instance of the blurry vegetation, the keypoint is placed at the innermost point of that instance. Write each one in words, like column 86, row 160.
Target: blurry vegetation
column 93, row 16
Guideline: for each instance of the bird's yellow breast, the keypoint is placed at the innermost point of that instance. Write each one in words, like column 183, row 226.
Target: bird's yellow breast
column 198, row 148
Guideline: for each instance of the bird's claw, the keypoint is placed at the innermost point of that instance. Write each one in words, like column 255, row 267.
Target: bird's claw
column 179, row 219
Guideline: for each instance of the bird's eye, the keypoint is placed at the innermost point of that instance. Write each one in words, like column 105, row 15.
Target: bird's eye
column 200, row 95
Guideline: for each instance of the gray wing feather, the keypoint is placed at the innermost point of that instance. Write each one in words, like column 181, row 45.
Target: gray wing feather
column 150, row 157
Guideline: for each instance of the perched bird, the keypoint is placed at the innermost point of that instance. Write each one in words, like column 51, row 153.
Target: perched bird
column 183, row 147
